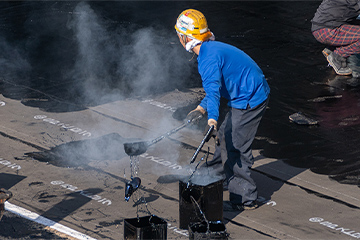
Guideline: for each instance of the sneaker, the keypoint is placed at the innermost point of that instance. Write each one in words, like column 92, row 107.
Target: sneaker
column 338, row 63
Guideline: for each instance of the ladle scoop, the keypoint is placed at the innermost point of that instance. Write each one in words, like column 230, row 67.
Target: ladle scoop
column 137, row 148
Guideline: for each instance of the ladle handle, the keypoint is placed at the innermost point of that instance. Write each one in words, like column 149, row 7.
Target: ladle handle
column 173, row 131
column 202, row 143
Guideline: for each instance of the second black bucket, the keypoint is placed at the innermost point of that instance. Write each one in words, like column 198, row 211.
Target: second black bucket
column 209, row 197
column 148, row 227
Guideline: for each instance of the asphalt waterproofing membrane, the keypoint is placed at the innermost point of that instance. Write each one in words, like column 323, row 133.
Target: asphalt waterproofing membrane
column 80, row 79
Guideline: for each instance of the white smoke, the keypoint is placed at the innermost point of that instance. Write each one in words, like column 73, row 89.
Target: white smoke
column 132, row 60
column 128, row 61
column 105, row 63
column 149, row 61
column 95, row 51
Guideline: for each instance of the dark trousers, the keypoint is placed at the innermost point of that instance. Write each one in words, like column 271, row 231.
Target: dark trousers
column 236, row 135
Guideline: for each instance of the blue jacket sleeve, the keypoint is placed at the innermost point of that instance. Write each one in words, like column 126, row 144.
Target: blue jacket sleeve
column 211, row 79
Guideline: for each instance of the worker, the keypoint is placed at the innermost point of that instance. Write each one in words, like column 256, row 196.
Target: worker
column 334, row 25
column 228, row 72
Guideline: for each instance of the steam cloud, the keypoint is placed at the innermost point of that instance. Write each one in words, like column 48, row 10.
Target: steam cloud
column 140, row 61
column 103, row 59
column 98, row 61
column 130, row 59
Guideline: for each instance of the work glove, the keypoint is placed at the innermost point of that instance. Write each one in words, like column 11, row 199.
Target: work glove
column 195, row 114
column 213, row 134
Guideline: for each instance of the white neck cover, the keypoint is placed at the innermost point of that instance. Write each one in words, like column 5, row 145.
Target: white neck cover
column 190, row 45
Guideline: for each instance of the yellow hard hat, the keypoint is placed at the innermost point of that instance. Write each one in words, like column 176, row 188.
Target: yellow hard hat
column 193, row 23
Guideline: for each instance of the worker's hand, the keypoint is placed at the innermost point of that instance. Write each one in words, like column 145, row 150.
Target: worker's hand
column 195, row 114
column 212, row 122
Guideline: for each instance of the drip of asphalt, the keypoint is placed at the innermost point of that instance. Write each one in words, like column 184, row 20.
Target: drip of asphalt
column 132, row 185
column 196, row 206
column 134, row 166
column 197, row 165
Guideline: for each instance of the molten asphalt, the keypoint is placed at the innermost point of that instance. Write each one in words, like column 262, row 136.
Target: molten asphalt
column 62, row 142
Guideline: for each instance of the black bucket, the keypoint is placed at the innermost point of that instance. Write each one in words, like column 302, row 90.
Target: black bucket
column 199, row 230
column 148, row 227
column 208, row 197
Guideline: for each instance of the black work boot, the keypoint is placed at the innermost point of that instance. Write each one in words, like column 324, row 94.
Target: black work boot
column 337, row 62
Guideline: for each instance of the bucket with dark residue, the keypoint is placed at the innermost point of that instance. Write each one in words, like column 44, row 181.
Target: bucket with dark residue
column 201, row 230
column 208, row 197
column 147, row 227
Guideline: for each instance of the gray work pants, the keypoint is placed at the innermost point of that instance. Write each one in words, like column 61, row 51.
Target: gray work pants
column 236, row 135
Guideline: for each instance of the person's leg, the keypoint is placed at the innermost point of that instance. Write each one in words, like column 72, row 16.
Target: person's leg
column 346, row 39
column 240, row 132
column 322, row 35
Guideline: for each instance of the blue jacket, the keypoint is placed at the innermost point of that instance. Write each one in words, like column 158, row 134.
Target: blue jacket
column 228, row 72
